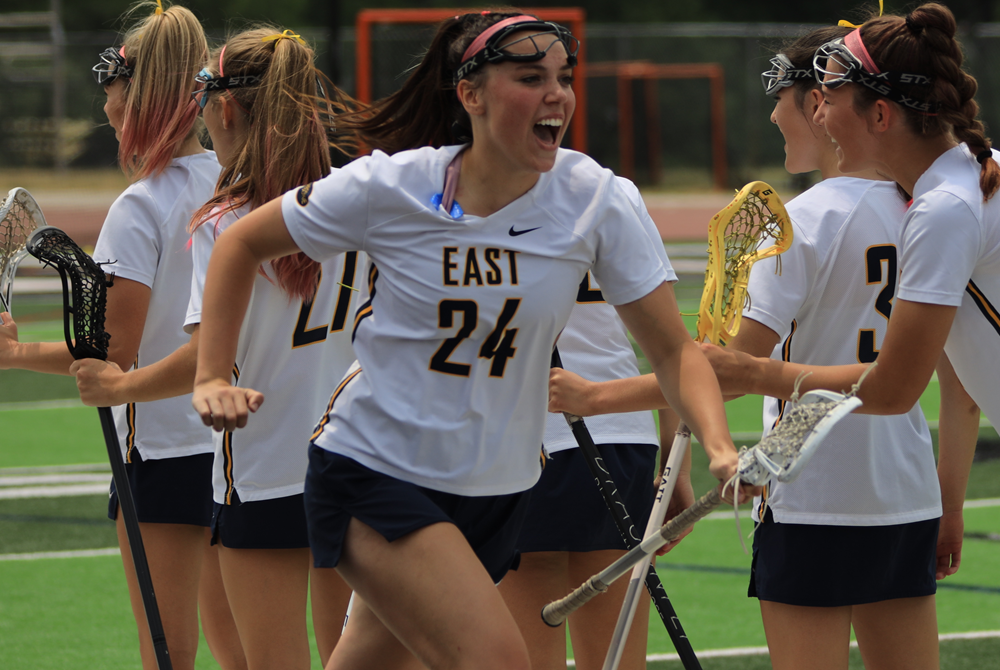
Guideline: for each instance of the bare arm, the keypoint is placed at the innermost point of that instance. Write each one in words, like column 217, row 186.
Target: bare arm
column 103, row 384
column 913, row 343
column 48, row 357
column 958, row 432
column 685, row 377
column 125, row 318
column 258, row 237
column 569, row 392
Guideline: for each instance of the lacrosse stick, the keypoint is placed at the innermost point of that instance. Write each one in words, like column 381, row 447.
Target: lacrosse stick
column 85, row 288
column 628, row 532
column 780, row 455
column 19, row 215
column 752, row 227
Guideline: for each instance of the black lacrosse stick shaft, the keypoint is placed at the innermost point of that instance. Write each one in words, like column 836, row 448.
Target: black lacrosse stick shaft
column 84, row 287
column 609, row 491
column 131, row 519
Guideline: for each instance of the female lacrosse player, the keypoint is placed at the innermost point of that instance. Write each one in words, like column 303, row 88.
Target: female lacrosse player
column 148, row 82
column 259, row 99
column 874, row 484
column 416, row 473
column 916, row 123
column 568, row 532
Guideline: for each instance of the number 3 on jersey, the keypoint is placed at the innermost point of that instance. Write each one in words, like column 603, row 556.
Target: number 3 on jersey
column 498, row 345
column 875, row 256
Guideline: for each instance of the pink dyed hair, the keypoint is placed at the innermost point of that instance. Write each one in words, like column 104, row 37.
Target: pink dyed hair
column 166, row 50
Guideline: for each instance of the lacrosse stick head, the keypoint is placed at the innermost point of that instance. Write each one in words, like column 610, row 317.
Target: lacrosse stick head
column 19, row 216
column 785, row 450
column 752, row 227
column 85, row 291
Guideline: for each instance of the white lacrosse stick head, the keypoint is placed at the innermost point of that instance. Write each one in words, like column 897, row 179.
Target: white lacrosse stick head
column 20, row 215
column 788, row 448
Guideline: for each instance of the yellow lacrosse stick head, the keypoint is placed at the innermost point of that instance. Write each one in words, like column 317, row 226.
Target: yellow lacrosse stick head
column 752, row 227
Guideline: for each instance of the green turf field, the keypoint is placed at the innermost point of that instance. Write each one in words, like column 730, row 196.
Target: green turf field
column 73, row 611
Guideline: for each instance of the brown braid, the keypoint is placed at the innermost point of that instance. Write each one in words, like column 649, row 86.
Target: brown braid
column 924, row 43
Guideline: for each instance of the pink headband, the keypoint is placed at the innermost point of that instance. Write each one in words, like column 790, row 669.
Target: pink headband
column 854, row 44
column 480, row 42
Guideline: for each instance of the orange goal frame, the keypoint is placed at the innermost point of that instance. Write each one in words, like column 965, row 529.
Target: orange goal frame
column 625, row 72
column 573, row 17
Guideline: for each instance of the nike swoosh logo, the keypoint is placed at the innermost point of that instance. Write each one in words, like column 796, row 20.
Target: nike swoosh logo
column 515, row 233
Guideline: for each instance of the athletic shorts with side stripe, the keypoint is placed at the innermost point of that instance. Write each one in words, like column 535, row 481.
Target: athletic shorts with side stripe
column 169, row 490
column 339, row 488
column 835, row 566
column 277, row 523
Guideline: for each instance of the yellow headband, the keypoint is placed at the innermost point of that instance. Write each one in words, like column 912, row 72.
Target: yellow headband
column 288, row 34
column 842, row 23
column 159, row 8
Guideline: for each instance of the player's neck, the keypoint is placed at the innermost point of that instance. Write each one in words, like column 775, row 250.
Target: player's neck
column 486, row 186
column 189, row 147
column 908, row 160
column 829, row 168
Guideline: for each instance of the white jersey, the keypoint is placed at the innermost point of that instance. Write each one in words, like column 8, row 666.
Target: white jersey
column 830, row 305
column 595, row 345
column 282, row 345
column 454, row 344
column 951, row 256
column 145, row 238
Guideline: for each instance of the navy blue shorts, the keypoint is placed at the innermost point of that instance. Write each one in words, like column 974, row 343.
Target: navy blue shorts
column 567, row 512
column 169, row 490
column 836, row 566
column 339, row 488
column 278, row 523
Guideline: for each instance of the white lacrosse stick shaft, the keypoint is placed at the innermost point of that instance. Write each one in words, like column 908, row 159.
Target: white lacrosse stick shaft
column 671, row 471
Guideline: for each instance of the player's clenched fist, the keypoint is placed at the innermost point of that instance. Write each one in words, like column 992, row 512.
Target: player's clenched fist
column 97, row 381
column 223, row 406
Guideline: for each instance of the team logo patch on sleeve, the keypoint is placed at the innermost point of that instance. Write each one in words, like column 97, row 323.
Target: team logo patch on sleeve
column 302, row 196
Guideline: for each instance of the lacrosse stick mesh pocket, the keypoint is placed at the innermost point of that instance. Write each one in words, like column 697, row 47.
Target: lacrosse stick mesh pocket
column 85, row 291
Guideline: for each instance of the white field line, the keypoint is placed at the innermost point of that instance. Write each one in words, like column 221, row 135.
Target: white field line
column 54, row 491
column 708, row 653
column 49, row 469
column 982, row 502
column 79, row 553
column 40, row 404
column 55, row 481
column 762, row 651
column 727, row 514
column 34, row 480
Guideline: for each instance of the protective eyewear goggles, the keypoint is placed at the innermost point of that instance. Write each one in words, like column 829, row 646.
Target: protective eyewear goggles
column 210, row 83
column 111, row 66
column 491, row 53
column 835, row 65
column 782, row 74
